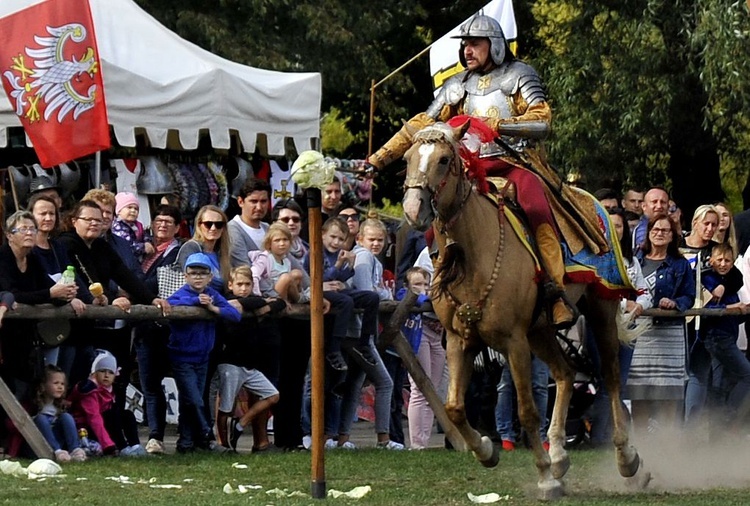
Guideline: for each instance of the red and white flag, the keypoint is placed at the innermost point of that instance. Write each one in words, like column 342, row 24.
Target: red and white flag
column 51, row 72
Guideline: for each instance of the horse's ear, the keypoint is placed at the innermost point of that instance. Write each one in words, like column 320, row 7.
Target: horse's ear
column 459, row 131
column 410, row 129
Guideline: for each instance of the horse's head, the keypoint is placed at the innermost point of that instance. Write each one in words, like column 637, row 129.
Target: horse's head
column 435, row 185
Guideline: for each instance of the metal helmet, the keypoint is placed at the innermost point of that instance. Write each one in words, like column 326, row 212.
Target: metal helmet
column 68, row 178
column 155, row 178
column 244, row 169
column 481, row 26
column 43, row 182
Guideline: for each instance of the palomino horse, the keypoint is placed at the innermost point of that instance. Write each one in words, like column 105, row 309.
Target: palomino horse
column 485, row 291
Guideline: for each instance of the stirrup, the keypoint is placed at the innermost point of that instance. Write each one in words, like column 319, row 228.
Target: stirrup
column 565, row 323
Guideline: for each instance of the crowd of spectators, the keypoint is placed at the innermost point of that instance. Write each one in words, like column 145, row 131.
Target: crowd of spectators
column 234, row 373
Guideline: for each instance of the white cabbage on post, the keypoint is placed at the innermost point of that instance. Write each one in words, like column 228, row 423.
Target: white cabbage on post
column 312, row 170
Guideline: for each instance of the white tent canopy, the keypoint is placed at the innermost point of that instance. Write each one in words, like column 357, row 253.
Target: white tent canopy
column 160, row 84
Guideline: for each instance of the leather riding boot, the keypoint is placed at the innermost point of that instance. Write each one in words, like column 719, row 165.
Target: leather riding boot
column 552, row 261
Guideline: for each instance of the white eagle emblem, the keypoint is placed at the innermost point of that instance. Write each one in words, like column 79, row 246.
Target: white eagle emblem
column 49, row 77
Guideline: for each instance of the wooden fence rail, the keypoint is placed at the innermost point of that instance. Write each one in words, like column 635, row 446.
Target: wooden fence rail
column 300, row 311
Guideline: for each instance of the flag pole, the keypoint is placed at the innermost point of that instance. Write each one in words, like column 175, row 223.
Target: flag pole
column 97, row 169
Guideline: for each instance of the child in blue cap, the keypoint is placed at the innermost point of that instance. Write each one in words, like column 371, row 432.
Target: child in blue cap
column 190, row 344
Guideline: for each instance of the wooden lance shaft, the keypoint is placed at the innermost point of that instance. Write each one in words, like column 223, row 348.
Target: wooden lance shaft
column 317, row 365
column 392, row 336
column 24, row 423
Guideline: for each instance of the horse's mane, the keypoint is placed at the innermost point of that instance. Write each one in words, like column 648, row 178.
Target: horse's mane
column 469, row 149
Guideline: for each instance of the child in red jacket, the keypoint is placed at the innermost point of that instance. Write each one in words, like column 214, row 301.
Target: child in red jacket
column 93, row 407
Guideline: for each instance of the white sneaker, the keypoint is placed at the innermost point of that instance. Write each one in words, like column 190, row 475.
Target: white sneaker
column 330, row 444
column 390, row 445
column 348, row 445
column 154, row 446
column 307, row 442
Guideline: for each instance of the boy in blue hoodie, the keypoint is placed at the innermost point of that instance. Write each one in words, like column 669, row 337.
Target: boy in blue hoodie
column 189, row 346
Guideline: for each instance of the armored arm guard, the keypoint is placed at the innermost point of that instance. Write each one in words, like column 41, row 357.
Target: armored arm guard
column 442, row 108
column 399, row 143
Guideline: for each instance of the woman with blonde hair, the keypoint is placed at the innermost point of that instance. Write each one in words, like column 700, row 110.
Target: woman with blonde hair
column 725, row 231
column 211, row 238
column 702, row 229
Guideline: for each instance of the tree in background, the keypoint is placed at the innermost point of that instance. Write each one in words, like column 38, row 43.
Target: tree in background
column 649, row 92
column 643, row 91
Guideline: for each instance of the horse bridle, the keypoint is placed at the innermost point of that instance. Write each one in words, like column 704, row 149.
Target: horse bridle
column 420, row 182
column 469, row 313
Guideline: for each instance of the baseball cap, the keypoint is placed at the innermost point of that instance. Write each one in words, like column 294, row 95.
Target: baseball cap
column 198, row 260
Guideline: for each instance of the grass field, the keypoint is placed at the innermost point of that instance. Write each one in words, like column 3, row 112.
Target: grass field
column 432, row 477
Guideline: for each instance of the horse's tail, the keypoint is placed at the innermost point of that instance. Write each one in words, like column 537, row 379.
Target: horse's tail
column 452, row 269
column 628, row 328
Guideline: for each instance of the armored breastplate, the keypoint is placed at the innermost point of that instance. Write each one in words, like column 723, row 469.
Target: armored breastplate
column 489, row 95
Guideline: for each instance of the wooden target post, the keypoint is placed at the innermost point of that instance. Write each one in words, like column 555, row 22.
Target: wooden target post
column 317, row 365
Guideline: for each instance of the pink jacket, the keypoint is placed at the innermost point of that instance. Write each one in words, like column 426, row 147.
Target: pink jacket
column 88, row 401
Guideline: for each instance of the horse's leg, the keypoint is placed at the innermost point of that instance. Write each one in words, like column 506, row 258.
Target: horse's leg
column 460, row 365
column 545, row 347
column 519, row 360
column 604, row 326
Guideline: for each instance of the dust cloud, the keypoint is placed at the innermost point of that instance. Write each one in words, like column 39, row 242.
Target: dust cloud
column 681, row 460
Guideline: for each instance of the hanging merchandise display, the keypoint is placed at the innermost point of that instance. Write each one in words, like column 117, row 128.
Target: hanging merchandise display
column 21, row 177
column 204, row 193
column 221, row 181
column 282, row 186
column 193, row 196
column 68, row 177
column 155, row 177
column 244, row 170
column 213, row 187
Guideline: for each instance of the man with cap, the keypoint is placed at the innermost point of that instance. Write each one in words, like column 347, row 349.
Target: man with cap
column 190, row 344
column 508, row 96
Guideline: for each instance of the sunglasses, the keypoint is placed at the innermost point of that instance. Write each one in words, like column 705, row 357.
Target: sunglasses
column 218, row 225
column 347, row 217
column 293, row 219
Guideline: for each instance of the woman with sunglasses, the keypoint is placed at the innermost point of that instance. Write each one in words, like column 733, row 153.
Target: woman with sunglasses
column 290, row 214
column 211, row 238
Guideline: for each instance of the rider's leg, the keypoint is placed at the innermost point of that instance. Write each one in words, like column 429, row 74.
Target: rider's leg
column 533, row 200
column 552, row 261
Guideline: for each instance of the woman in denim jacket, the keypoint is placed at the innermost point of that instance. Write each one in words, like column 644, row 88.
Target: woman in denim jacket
column 657, row 376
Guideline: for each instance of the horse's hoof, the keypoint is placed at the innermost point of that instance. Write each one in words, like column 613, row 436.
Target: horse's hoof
column 494, row 459
column 640, row 479
column 560, row 467
column 551, row 491
column 487, row 454
column 629, row 469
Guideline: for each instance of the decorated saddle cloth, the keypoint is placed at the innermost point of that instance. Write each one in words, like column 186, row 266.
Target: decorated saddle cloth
column 606, row 271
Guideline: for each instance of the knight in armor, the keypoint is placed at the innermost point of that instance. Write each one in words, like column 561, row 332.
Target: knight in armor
column 509, row 97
